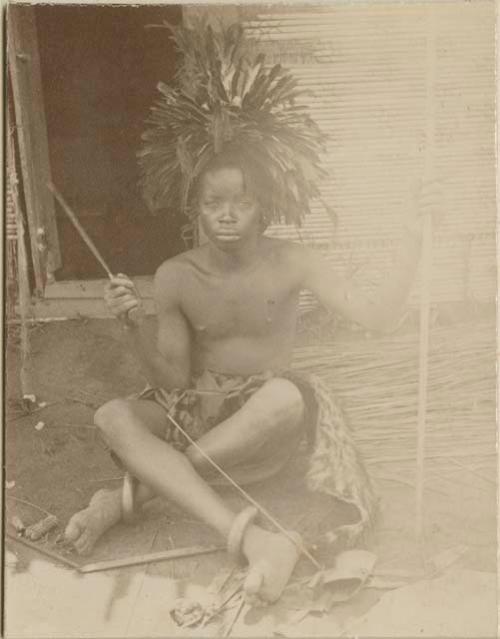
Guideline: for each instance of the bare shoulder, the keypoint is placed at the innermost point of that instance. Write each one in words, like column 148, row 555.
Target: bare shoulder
column 292, row 255
column 171, row 275
column 183, row 263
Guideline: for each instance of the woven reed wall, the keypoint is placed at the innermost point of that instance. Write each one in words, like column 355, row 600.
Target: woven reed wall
column 376, row 381
column 366, row 68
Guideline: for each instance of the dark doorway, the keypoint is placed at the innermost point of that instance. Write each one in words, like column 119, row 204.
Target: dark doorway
column 100, row 67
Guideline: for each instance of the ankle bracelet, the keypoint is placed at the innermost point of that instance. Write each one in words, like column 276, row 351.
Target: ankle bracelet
column 128, row 497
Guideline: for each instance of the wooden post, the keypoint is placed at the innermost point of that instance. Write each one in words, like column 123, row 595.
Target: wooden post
column 24, row 295
column 426, row 272
column 31, row 130
column 426, row 275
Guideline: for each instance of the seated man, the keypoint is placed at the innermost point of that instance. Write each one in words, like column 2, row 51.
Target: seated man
column 227, row 311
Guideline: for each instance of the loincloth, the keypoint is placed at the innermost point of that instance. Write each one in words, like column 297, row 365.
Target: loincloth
column 335, row 467
column 213, row 398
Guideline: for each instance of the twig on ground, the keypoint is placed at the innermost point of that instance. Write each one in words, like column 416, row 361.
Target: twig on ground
column 63, row 425
column 81, row 401
column 219, row 609
column 149, row 558
column 43, row 550
column 226, row 574
column 66, row 425
column 28, row 503
column 236, row 616
column 14, row 416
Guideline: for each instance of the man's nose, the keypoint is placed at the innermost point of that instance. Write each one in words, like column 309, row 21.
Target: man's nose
column 227, row 214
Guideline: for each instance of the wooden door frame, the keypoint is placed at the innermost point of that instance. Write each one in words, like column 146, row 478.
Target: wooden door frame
column 31, row 133
column 69, row 299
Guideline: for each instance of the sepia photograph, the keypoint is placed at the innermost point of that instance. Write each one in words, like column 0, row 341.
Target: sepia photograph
column 250, row 283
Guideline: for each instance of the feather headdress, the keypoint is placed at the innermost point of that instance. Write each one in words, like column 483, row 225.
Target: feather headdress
column 227, row 99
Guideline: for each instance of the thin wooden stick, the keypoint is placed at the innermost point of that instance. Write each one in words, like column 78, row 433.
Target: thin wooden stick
column 425, row 282
column 300, row 546
column 111, row 564
column 149, row 558
column 219, row 609
column 104, row 479
column 44, row 551
column 28, row 503
column 82, row 232
column 129, row 315
column 236, row 617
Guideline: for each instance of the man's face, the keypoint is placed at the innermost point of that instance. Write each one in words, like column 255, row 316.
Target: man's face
column 229, row 214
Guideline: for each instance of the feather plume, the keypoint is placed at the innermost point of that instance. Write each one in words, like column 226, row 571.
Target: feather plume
column 226, row 98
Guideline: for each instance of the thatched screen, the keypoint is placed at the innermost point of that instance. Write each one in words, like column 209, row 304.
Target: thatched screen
column 366, row 67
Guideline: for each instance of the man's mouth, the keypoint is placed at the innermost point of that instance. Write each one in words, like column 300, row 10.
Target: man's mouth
column 227, row 234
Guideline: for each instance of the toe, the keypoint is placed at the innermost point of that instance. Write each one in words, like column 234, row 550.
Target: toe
column 73, row 530
column 253, row 582
column 254, row 601
column 84, row 543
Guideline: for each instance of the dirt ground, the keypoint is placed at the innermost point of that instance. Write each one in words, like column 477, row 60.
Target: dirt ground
column 58, row 466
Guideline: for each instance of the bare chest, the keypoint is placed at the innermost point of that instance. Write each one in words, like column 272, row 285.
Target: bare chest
column 251, row 305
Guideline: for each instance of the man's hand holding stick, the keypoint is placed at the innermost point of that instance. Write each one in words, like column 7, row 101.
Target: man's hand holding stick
column 120, row 294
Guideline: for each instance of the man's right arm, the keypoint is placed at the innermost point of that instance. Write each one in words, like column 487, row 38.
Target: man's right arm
column 166, row 361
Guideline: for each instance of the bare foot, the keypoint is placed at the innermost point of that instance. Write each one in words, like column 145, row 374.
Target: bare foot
column 271, row 558
column 86, row 526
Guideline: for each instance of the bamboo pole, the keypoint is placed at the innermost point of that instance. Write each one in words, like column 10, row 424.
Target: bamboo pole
column 426, row 276
column 423, row 370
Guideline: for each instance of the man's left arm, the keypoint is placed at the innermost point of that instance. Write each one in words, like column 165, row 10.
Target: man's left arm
column 380, row 310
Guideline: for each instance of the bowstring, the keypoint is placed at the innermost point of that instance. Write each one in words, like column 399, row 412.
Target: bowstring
column 235, row 485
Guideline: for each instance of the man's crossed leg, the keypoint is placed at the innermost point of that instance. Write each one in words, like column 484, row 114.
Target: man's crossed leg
column 251, row 445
